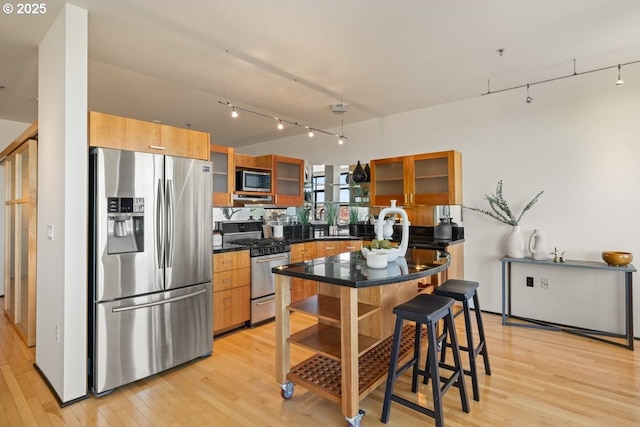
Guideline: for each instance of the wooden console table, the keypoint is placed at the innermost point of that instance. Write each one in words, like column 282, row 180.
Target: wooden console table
column 589, row 333
column 352, row 338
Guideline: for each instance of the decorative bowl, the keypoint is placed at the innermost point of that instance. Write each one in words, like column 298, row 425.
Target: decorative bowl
column 392, row 254
column 617, row 258
column 377, row 259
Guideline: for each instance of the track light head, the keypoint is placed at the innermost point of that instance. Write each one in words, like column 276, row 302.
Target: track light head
column 341, row 140
column 310, row 133
column 280, row 125
column 234, row 113
column 529, row 99
column 620, row 82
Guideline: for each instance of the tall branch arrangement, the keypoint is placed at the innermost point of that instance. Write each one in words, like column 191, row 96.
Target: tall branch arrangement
column 500, row 208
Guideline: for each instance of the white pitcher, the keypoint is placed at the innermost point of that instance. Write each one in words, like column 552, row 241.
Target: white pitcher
column 538, row 245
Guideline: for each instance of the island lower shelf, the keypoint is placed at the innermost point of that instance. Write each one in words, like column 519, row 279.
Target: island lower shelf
column 323, row 374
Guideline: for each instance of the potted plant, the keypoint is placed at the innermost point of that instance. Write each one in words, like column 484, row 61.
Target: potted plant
column 303, row 219
column 353, row 221
column 331, row 215
column 500, row 211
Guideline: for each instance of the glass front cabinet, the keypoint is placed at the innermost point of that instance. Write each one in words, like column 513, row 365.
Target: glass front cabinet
column 222, row 161
column 419, row 180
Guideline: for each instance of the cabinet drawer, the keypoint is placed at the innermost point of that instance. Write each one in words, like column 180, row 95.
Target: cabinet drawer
column 231, row 279
column 350, row 245
column 230, row 260
column 303, row 251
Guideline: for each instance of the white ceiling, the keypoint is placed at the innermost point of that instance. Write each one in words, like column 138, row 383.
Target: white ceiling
column 174, row 60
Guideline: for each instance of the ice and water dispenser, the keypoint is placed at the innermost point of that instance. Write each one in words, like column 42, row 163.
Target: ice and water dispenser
column 125, row 227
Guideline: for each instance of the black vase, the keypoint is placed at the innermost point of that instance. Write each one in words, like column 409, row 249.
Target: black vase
column 358, row 174
column 367, row 171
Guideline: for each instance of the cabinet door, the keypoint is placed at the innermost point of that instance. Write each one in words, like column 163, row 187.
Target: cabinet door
column 437, row 179
column 388, row 183
column 231, row 308
column 122, row 133
column 288, row 179
column 184, row 142
column 223, row 174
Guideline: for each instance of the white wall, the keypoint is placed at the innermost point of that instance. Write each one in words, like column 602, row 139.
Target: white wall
column 61, row 336
column 9, row 131
column 579, row 141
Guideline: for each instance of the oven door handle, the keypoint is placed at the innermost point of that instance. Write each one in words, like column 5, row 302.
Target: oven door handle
column 269, row 301
column 261, row 261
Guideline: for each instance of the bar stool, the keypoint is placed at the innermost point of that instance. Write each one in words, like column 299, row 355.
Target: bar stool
column 426, row 310
column 464, row 291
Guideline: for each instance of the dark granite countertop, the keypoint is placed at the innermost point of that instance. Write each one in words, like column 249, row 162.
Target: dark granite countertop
column 350, row 269
column 229, row 247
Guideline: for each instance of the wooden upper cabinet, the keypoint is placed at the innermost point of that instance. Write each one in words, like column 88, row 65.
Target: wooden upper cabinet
column 122, row 133
column 185, row 142
column 388, row 181
column 223, row 166
column 288, row 181
column 423, row 179
column 436, row 178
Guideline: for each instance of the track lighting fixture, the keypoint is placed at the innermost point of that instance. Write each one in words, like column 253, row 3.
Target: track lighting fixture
column 620, row 82
column 529, row 99
column 280, row 126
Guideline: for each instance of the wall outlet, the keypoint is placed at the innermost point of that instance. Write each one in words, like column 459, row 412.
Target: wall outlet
column 57, row 333
column 544, row 283
column 530, row 281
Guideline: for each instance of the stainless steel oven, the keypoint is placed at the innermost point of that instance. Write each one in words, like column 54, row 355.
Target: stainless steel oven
column 263, row 288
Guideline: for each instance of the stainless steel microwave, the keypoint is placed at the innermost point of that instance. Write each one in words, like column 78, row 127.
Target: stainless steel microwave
column 247, row 180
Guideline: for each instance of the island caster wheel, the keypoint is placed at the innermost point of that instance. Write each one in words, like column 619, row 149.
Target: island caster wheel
column 287, row 390
column 355, row 421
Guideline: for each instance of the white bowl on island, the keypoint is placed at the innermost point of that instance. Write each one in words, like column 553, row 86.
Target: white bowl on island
column 392, row 253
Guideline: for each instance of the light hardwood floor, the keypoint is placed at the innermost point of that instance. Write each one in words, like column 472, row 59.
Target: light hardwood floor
column 540, row 378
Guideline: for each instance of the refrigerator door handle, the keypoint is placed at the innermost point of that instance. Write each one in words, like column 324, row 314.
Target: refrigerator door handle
column 171, row 219
column 151, row 304
column 160, row 224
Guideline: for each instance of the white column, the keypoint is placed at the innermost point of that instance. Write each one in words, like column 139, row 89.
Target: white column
column 61, row 337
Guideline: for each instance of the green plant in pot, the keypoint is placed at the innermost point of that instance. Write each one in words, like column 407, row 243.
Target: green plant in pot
column 303, row 215
column 353, row 215
column 331, row 216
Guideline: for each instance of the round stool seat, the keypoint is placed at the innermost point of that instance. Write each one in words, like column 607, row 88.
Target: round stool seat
column 457, row 289
column 424, row 308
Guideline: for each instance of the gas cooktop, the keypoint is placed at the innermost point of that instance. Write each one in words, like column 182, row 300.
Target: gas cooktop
column 260, row 247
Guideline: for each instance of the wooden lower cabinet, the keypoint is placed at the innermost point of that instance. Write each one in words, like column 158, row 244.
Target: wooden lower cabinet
column 231, row 290
column 302, row 288
column 231, row 308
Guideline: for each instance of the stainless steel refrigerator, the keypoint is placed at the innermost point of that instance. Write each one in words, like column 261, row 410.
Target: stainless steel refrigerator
column 150, row 265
